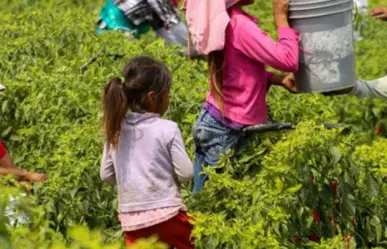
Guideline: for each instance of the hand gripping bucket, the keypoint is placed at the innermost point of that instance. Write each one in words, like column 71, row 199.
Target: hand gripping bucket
column 327, row 60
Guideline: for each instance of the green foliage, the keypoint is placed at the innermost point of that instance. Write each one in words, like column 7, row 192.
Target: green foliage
column 277, row 189
column 22, row 225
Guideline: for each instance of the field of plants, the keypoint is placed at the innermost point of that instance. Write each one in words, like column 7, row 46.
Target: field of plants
column 305, row 188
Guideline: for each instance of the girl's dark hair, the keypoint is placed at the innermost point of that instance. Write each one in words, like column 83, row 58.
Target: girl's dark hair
column 215, row 68
column 141, row 76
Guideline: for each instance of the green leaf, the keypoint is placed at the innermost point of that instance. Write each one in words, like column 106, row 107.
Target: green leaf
column 373, row 186
column 294, row 189
column 336, row 154
column 279, row 184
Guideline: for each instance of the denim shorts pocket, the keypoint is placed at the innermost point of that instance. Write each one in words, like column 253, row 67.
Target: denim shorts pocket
column 213, row 138
column 209, row 143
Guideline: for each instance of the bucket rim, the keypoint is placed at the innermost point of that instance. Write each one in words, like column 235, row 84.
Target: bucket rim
column 308, row 7
column 320, row 15
column 327, row 89
column 311, row 2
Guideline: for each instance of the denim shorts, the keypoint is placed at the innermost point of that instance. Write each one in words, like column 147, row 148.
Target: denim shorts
column 212, row 138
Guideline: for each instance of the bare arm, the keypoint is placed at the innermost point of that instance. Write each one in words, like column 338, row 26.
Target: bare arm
column 286, row 81
column 7, row 167
column 380, row 13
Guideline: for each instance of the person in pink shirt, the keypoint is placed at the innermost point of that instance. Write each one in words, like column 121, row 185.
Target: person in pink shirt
column 238, row 53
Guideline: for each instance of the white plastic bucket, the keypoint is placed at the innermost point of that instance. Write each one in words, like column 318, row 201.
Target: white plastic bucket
column 327, row 60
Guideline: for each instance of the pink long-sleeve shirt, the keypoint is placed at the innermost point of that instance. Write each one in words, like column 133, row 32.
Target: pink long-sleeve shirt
column 248, row 50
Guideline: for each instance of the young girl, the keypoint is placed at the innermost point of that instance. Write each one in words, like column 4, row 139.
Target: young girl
column 145, row 155
column 238, row 52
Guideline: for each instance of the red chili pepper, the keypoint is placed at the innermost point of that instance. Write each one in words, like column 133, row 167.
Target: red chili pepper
column 314, row 237
column 296, row 239
column 175, row 2
column 379, row 131
column 353, row 219
column 316, row 216
column 337, row 205
column 334, row 187
column 347, row 241
column 333, row 219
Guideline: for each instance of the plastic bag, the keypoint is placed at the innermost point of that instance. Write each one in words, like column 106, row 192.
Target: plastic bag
column 112, row 18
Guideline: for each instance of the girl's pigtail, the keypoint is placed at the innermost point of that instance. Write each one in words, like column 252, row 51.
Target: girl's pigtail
column 115, row 106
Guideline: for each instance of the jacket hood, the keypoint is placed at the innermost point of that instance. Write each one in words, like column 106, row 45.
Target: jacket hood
column 136, row 118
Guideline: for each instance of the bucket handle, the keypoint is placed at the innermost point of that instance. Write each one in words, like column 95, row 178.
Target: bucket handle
column 356, row 6
column 305, row 51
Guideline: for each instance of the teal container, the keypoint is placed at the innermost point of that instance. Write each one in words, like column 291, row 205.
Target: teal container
column 112, row 18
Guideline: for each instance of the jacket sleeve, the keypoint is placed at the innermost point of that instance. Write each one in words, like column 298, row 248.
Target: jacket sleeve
column 182, row 164
column 255, row 43
column 107, row 172
column 3, row 150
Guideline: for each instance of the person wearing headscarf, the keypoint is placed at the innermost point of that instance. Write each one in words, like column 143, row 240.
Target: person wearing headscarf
column 238, row 52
